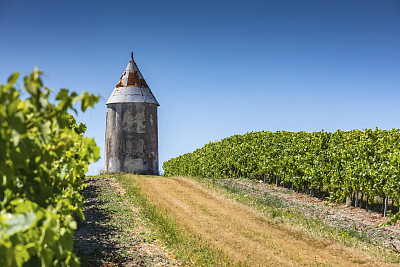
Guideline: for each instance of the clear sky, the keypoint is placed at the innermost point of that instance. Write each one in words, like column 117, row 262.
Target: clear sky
column 217, row 68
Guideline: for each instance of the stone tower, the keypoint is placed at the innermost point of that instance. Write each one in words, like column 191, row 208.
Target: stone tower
column 131, row 126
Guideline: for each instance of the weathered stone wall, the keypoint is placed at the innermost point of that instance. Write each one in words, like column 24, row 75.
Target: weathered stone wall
column 131, row 138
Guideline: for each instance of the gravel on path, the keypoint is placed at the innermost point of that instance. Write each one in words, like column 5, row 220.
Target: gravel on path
column 113, row 233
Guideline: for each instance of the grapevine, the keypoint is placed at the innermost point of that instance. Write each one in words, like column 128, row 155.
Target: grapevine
column 43, row 161
column 344, row 164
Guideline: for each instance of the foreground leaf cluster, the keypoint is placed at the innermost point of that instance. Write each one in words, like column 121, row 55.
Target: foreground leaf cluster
column 340, row 163
column 44, row 157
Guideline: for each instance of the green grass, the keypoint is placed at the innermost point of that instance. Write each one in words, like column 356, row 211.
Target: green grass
column 192, row 250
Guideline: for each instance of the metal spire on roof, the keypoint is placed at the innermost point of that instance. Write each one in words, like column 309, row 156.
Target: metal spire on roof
column 132, row 88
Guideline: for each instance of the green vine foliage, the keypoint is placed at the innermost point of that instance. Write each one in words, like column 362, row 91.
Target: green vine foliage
column 340, row 163
column 43, row 160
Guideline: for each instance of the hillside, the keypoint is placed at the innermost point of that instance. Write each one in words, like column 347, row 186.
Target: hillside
column 228, row 217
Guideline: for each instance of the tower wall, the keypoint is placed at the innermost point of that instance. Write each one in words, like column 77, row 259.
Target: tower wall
column 131, row 138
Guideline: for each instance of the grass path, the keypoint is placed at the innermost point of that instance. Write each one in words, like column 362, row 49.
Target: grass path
column 114, row 233
column 242, row 233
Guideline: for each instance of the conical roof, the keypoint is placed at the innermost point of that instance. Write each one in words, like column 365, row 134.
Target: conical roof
column 132, row 88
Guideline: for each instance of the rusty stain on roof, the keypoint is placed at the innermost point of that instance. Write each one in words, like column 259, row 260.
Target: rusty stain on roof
column 132, row 87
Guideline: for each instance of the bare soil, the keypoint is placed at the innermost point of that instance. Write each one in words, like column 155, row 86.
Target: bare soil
column 243, row 233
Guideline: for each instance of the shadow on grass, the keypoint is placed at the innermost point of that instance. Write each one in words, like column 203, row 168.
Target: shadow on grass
column 95, row 239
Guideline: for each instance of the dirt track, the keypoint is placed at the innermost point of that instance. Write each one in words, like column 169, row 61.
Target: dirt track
column 243, row 233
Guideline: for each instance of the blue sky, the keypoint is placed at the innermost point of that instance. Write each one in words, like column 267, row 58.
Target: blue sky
column 217, row 68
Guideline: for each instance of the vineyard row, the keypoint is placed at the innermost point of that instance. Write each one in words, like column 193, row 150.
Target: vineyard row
column 43, row 160
column 341, row 164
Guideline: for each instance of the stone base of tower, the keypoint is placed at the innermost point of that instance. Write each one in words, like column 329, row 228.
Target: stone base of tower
column 131, row 143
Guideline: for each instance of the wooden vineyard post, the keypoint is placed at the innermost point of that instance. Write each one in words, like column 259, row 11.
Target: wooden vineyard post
column 386, row 205
column 356, row 202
